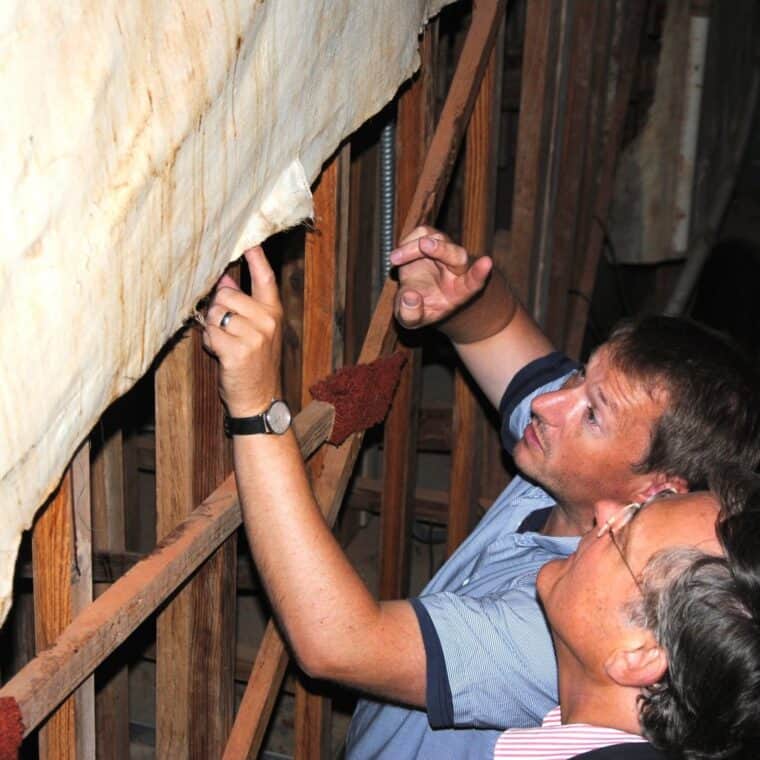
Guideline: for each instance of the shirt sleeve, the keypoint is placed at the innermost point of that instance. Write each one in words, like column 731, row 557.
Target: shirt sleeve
column 490, row 660
column 539, row 376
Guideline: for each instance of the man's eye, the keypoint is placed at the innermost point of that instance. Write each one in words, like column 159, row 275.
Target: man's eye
column 591, row 415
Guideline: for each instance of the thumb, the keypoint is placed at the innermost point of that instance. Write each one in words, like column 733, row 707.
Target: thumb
column 263, row 283
column 409, row 307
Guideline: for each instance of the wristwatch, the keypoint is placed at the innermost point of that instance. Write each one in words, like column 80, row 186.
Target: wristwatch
column 276, row 419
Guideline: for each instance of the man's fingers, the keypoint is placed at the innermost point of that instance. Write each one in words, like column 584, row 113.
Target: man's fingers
column 225, row 281
column 263, row 282
column 452, row 256
column 409, row 308
column 477, row 274
column 423, row 231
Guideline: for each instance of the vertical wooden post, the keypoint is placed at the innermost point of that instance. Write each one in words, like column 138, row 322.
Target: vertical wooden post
column 62, row 561
column 541, row 40
column 477, row 236
column 195, row 636
column 108, row 534
column 324, row 304
column 416, row 116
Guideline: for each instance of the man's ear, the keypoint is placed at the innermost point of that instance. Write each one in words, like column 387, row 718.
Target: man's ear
column 638, row 663
column 660, row 482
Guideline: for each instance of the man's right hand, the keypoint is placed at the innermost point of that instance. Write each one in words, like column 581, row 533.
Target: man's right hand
column 436, row 277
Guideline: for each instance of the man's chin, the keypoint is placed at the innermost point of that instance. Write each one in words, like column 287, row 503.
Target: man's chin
column 547, row 577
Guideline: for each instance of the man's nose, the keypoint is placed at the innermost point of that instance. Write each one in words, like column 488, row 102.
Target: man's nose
column 554, row 406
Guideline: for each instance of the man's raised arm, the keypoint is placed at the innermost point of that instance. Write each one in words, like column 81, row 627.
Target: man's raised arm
column 336, row 629
column 470, row 302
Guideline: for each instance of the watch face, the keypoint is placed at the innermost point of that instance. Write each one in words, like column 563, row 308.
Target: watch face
column 278, row 417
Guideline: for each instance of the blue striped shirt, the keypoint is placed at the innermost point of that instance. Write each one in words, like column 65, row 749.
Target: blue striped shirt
column 490, row 659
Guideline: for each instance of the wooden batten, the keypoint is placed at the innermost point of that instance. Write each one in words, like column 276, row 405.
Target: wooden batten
column 195, row 634
column 323, row 349
column 61, row 556
column 468, row 423
column 416, row 112
column 108, row 535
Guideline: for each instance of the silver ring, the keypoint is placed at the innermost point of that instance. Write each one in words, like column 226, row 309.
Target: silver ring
column 226, row 317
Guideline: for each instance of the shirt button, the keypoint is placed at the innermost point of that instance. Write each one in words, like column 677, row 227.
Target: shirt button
column 465, row 581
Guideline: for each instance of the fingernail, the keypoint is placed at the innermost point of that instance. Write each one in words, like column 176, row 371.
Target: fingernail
column 395, row 257
column 409, row 300
column 432, row 242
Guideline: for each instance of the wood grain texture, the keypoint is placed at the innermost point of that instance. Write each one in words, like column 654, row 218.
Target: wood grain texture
column 195, row 634
column 468, row 421
column 106, row 623
column 338, row 462
column 415, row 117
column 323, row 349
column 626, row 41
column 108, row 535
column 535, row 117
column 61, row 551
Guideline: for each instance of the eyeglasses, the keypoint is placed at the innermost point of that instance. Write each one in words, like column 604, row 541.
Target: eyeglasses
column 623, row 517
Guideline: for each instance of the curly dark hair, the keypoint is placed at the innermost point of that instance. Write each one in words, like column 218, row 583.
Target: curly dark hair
column 712, row 417
column 705, row 612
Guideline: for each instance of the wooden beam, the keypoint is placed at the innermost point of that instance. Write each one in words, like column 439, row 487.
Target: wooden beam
column 195, row 634
column 468, row 422
column 416, row 113
column 107, row 487
column 61, row 548
column 323, row 349
column 573, row 141
column 338, row 462
column 541, row 36
column 625, row 55
column 106, row 623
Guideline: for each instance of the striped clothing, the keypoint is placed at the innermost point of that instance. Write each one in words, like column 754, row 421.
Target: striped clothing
column 555, row 741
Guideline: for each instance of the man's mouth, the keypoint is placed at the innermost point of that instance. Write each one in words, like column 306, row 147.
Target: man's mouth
column 530, row 435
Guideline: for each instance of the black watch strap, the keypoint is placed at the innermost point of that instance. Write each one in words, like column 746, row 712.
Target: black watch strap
column 275, row 419
column 244, row 425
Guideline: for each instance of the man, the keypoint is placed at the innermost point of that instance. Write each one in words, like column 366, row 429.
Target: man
column 656, row 628
column 474, row 650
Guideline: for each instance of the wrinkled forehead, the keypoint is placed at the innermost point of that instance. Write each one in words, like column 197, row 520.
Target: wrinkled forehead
column 632, row 383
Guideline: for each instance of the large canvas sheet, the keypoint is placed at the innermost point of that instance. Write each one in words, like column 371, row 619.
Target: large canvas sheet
column 144, row 145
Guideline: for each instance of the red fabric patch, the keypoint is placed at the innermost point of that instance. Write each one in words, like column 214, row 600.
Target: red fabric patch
column 361, row 395
column 11, row 728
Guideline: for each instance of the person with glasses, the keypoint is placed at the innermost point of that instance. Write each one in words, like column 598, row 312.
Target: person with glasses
column 655, row 624
column 657, row 407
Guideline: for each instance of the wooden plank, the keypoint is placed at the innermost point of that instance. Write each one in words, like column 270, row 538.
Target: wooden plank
column 61, row 545
column 573, row 142
column 541, row 32
column 416, row 112
column 625, row 52
column 107, row 488
column 477, row 237
column 323, row 348
column 106, row 623
column 195, row 634
column 338, row 462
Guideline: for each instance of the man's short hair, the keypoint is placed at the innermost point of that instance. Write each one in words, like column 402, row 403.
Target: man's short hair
column 705, row 612
column 712, row 414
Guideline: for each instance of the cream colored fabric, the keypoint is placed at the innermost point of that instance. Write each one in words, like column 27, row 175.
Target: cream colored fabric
column 143, row 146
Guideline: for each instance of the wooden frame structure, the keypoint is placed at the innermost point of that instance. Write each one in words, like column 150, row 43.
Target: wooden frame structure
column 192, row 561
column 189, row 578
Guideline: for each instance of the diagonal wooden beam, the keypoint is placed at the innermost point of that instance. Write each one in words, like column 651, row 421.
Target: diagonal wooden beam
column 100, row 628
column 338, row 463
column 106, row 623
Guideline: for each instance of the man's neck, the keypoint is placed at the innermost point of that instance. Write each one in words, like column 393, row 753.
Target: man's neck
column 564, row 521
